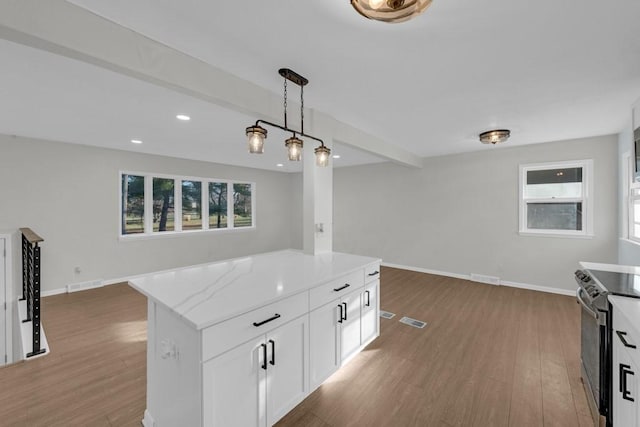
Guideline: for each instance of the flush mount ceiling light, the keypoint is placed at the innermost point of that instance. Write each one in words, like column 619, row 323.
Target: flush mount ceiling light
column 391, row 11
column 256, row 134
column 495, row 136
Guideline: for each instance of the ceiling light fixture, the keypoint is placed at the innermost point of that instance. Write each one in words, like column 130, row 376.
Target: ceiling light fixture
column 391, row 11
column 256, row 134
column 183, row 117
column 336, row 156
column 495, row 136
column 136, row 141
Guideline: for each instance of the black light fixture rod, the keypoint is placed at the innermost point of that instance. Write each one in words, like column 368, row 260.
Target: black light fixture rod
column 286, row 129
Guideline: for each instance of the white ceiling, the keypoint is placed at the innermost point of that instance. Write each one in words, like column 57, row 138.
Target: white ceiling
column 548, row 70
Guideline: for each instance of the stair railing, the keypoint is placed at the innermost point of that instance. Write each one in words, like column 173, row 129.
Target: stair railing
column 31, row 285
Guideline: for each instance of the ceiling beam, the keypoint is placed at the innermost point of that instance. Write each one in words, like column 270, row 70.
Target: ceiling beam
column 65, row 29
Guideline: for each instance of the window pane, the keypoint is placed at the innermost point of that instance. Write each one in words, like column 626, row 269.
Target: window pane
column 163, row 196
column 550, row 183
column 217, row 205
column 191, row 205
column 636, row 210
column 242, row 205
column 554, row 216
column 132, row 204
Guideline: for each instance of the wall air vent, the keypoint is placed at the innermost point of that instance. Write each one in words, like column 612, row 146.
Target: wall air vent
column 491, row 280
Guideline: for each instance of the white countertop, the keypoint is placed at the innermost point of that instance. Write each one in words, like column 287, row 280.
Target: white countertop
column 616, row 268
column 210, row 293
column 630, row 308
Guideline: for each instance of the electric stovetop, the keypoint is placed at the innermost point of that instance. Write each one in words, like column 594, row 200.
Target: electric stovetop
column 623, row 284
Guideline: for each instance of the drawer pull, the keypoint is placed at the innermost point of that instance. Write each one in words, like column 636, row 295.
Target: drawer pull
column 264, row 356
column 345, row 311
column 346, row 285
column 341, row 318
column 622, row 336
column 375, row 273
column 275, row 316
column 624, row 371
column 368, row 303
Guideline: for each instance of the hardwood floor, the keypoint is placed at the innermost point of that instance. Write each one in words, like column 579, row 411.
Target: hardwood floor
column 489, row 356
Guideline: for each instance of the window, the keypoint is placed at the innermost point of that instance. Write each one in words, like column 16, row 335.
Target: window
column 218, row 205
column 153, row 204
column 242, row 205
column 634, row 215
column 132, row 191
column 555, row 198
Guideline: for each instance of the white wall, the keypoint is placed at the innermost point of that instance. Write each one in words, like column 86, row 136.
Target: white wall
column 69, row 195
column 459, row 214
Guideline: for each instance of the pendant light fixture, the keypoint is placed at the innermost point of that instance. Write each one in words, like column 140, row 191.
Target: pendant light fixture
column 391, row 11
column 256, row 134
column 495, row 136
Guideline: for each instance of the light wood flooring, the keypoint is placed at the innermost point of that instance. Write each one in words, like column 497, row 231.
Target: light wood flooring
column 489, row 356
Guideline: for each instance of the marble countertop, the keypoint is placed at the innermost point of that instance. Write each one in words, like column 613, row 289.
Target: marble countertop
column 630, row 308
column 611, row 267
column 210, row 293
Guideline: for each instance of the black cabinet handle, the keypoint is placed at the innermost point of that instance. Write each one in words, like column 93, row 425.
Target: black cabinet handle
column 340, row 319
column 345, row 310
column 375, row 273
column 368, row 303
column 346, row 285
column 273, row 352
column 622, row 336
column 275, row 316
column 264, row 356
column 624, row 371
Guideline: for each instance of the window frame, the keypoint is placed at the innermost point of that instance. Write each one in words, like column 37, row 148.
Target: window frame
column 586, row 199
column 630, row 186
column 178, row 230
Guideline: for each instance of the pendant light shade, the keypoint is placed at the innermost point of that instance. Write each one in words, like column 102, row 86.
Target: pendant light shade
column 256, row 136
column 322, row 156
column 391, row 11
column 494, row 136
column 294, row 148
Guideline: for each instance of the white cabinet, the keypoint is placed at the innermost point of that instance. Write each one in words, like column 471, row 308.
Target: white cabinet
column 625, row 373
column 370, row 319
column 258, row 382
column 335, row 335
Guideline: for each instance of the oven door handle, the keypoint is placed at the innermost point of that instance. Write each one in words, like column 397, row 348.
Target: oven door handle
column 584, row 304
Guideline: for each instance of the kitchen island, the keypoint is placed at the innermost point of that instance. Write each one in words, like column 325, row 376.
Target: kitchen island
column 243, row 341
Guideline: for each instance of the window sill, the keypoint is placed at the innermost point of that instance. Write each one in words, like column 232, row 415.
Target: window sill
column 556, row 235
column 178, row 234
column 629, row 241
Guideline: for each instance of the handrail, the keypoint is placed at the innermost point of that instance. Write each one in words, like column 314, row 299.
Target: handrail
column 31, row 285
column 31, row 236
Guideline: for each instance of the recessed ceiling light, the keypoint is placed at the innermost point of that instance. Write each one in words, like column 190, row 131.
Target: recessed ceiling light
column 136, row 141
column 183, row 117
column 336, row 156
column 279, row 165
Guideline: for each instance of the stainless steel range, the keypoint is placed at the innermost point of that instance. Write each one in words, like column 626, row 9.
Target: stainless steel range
column 595, row 327
column 594, row 286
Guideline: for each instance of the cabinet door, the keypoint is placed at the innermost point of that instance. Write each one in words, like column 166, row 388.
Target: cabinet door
column 370, row 318
column 350, row 334
column 234, row 387
column 625, row 387
column 287, row 368
column 324, row 343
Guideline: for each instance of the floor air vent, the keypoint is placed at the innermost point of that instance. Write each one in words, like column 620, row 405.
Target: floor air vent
column 413, row 322
column 386, row 314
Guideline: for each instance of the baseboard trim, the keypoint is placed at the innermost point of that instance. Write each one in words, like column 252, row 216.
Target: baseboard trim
column 510, row 284
column 64, row 290
column 148, row 421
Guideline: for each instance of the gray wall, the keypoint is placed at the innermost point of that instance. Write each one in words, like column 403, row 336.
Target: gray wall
column 628, row 251
column 69, row 195
column 459, row 214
